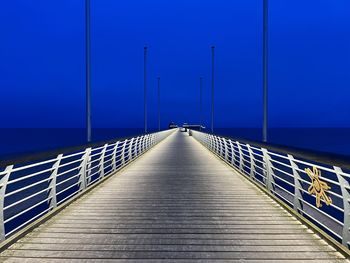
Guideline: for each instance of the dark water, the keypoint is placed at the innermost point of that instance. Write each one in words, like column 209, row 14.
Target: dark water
column 329, row 140
column 21, row 141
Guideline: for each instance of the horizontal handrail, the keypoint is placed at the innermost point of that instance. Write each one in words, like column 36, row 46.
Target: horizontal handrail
column 32, row 187
column 316, row 191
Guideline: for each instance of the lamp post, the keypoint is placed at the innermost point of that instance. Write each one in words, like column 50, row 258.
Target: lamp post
column 87, row 70
column 265, row 69
column 212, row 88
column 158, row 80
column 200, row 102
column 145, row 86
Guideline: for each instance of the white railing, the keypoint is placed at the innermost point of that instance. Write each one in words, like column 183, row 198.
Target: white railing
column 30, row 190
column 288, row 178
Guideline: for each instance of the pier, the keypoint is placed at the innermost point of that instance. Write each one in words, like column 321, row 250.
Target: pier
column 167, row 198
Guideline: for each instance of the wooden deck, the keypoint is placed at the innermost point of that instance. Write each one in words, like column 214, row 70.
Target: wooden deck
column 178, row 202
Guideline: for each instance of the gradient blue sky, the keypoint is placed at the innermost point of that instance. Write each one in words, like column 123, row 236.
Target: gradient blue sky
column 42, row 82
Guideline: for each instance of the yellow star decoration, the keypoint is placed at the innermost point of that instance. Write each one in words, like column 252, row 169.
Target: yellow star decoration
column 318, row 187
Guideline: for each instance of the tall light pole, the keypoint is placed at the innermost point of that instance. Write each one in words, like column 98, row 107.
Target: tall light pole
column 87, row 70
column 145, row 86
column 212, row 88
column 200, row 102
column 158, row 80
column 265, row 68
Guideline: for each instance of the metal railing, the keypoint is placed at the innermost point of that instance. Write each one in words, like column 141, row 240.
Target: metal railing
column 30, row 190
column 288, row 178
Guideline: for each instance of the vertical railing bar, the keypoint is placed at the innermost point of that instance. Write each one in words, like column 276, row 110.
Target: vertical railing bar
column 298, row 196
column 233, row 155
column 139, row 144
column 344, row 186
column 138, row 148
column 268, row 170
column 88, row 169
column 241, row 159
column 114, row 156
column 123, row 151
column 226, row 150
column 252, row 162
column 84, row 169
column 221, row 146
column 131, row 149
column 144, row 143
column 53, row 182
column 217, row 148
column 3, row 185
column 102, row 161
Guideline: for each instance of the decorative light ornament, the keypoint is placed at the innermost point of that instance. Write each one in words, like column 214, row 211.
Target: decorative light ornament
column 318, row 187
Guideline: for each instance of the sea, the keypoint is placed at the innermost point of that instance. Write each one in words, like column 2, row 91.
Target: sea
column 21, row 141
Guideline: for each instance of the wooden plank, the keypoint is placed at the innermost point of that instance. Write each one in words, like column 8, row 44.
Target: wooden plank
column 173, row 247
column 72, row 260
column 304, row 236
column 63, row 254
column 178, row 241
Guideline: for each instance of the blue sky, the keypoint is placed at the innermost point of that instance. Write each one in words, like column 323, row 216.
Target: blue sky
column 42, row 79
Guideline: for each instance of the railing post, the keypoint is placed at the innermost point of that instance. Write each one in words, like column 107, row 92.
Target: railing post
column 130, row 149
column 241, row 159
column 149, row 142
column 144, row 139
column 137, row 146
column 84, row 169
column 344, row 186
column 226, row 150
column 252, row 162
column 142, row 144
column 3, row 185
column 221, row 146
column 88, row 169
column 214, row 143
column 233, row 155
column 53, row 181
column 298, row 196
column 114, row 156
column 268, row 170
column 123, row 151
column 217, row 145
column 102, row 161
column 145, row 143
